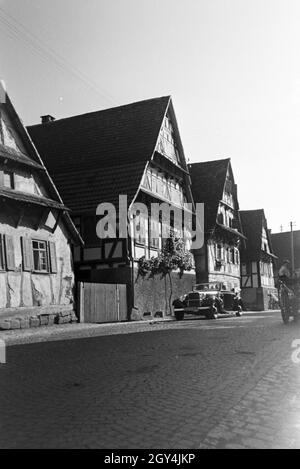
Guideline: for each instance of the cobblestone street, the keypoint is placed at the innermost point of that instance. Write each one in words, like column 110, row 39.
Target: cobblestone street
column 229, row 383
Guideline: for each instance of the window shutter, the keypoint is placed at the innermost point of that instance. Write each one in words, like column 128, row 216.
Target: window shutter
column 10, row 253
column 2, row 253
column 27, row 254
column 53, row 259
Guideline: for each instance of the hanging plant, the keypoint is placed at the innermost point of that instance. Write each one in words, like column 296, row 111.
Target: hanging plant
column 173, row 256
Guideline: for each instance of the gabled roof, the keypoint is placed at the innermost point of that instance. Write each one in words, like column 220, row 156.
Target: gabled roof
column 32, row 158
column 208, row 180
column 253, row 222
column 30, row 198
column 18, row 157
column 282, row 247
column 95, row 157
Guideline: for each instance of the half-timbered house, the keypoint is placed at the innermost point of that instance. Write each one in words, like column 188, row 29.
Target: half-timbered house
column 258, row 287
column 286, row 246
column 133, row 150
column 36, row 231
column 219, row 258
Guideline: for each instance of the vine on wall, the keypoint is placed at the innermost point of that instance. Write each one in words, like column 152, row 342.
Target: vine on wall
column 173, row 256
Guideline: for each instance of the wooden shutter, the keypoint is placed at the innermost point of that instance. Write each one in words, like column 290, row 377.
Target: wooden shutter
column 2, row 253
column 10, row 252
column 52, row 256
column 27, row 254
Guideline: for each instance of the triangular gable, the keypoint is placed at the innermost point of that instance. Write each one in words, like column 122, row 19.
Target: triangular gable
column 266, row 236
column 258, row 236
column 208, row 182
column 9, row 136
column 169, row 145
column 229, row 189
column 15, row 139
column 169, row 141
column 265, row 245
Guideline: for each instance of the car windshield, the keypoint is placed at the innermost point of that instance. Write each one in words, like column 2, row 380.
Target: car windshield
column 212, row 286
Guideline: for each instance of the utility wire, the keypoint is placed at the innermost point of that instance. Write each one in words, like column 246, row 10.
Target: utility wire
column 18, row 31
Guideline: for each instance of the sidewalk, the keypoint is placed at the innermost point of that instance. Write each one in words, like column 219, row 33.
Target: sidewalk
column 78, row 331
column 81, row 331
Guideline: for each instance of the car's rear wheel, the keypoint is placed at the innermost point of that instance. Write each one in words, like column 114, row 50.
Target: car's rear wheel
column 179, row 315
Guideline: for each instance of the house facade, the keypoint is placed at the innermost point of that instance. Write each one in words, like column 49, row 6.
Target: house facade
column 219, row 259
column 283, row 244
column 134, row 151
column 258, row 285
column 36, row 232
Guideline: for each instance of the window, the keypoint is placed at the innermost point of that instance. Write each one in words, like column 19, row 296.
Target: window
column 228, row 255
column 219, row 252
column 236, row 256
column 7, row 253
column 8, row 179
column 40, row 256
column 221, row 218
column 154, row 234
column 231, row 255
column 140, row 228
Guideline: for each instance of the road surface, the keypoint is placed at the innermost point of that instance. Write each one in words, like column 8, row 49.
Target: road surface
column 229, row 383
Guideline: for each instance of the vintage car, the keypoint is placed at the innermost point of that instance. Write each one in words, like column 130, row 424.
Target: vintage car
column 211, row 300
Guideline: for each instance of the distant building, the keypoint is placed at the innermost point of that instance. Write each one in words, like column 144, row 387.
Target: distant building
column 219, row 259
column 282, row 243
column 36, row 231
column 134, row 150
column 257, row 260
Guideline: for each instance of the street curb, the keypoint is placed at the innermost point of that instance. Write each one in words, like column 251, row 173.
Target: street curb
column 84, row 331
column 77, row 331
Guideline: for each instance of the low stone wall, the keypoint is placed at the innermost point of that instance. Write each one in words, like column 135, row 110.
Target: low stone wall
column 36, row 318
column 152, row 294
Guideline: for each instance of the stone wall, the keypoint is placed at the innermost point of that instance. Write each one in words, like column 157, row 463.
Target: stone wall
column 152, row 294
column 24, row 318
column 146, row 297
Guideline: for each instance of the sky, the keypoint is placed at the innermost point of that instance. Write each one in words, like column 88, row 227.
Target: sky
column 232, row 68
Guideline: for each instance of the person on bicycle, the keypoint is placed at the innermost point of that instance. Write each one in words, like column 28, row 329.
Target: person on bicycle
column 284, row 273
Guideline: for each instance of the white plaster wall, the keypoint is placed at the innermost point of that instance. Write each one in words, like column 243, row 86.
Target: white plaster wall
column 16, row 288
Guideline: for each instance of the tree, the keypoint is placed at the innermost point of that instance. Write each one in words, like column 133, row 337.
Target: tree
column 173, row 256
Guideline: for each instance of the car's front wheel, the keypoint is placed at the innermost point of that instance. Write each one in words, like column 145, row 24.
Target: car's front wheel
column 179, row 315
column 213, row 313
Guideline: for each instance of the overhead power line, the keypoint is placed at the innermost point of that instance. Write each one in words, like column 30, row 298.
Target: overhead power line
column 18, row 31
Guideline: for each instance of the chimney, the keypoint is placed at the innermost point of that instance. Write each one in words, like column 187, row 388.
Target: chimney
column 46, row 119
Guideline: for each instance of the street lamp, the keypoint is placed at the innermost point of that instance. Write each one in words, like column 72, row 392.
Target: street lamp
column 292, row 224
